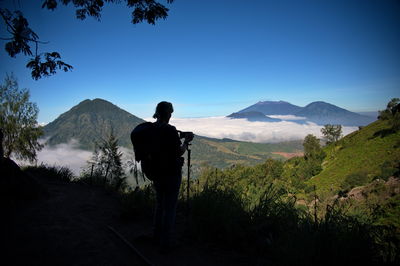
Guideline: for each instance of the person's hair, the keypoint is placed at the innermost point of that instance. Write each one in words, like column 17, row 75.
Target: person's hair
column 163, row 109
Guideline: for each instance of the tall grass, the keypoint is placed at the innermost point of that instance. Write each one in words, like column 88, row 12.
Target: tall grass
column 138, row 203
column 276, row 232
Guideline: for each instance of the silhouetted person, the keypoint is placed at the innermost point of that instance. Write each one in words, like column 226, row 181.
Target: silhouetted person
column 168, row 172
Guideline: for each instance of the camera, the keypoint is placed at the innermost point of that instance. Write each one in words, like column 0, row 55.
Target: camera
column 188, row 136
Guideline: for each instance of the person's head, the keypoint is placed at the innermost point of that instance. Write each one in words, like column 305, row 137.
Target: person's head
column 163, row 111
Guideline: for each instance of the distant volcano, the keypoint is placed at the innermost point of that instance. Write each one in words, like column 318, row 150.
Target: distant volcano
column 273, row 108
column 89, row 121
column 319, row 112
column 253, row 116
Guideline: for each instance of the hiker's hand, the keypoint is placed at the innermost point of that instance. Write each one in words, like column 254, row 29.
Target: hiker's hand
column 189, row 137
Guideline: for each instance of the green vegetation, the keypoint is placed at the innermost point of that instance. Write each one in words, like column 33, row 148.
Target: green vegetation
column 370, row 149
column 268, row 210
column 354, row 180
column 300, row 169
column 106, row 164
column 392, row 114
column 277, row 232
column 337, row 204
column 18, row 121
column 226, row 153
column 332, row 133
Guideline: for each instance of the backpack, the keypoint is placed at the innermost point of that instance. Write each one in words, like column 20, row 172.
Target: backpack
column 144, row 140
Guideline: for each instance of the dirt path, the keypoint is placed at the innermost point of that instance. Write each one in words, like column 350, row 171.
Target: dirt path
column 67, row 227
column 70, row 227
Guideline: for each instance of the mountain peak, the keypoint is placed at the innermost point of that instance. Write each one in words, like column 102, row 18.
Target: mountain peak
column 272, row 108
column 253, row 116
column 272, row 102
column 91, row 120
column 325, row 113
column 324, row 107
column 319, row 112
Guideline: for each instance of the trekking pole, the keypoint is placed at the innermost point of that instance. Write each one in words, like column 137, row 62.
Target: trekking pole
column 188, row 178
column 91, row 175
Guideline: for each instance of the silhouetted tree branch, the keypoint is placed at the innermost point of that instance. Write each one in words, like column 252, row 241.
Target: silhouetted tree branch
column 47, row 64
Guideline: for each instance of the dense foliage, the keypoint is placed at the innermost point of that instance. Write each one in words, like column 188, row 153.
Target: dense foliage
column 18, row 121
column 332, row 133
column 392, row 114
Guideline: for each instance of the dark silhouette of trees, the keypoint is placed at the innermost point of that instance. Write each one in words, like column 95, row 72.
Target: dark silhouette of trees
column 107, row 162
column 21, row 37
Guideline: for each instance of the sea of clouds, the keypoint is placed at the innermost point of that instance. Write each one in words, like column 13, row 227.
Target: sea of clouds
column 244, row 130
column 70, row 155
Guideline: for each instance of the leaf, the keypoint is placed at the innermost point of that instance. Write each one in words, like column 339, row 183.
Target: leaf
column 49, row 4
column 44, row 68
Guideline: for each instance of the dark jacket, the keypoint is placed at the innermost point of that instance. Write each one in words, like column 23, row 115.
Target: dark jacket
column 167, row 149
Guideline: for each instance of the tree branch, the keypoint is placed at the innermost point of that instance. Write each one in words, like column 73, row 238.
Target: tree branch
column 6, row 21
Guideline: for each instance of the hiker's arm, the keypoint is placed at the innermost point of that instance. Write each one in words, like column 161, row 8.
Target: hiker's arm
column 184, row 146
column 188, row 138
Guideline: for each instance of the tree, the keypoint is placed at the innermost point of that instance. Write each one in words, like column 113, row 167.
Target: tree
column 392, row 113
column 107, row 161
column 332, row 133
column 312, row 147
column 41, row 64
column 21, row 36
column 18, row 119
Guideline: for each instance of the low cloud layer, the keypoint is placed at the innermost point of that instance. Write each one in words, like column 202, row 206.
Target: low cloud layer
column 65, row 154
column 68, row 154
column 288, row 117
column 244, row 130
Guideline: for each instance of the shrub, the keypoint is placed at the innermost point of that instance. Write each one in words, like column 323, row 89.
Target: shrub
column 354, row 180
column 60, row 172
column 388, row 169
column 276, row 232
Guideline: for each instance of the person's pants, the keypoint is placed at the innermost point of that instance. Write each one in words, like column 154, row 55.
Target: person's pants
column 167, row 191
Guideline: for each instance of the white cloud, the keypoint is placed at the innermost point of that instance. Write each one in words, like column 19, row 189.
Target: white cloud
column 69, row 155
column 244, row 130
column 42, row 124
column 288, row 117
column 65, row 154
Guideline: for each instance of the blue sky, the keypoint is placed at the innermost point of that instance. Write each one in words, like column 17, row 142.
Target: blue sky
column 215, row 57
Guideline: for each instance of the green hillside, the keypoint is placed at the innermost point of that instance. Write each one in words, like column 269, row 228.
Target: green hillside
column 223, row 153
column 368, row 151
column 226, row 153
